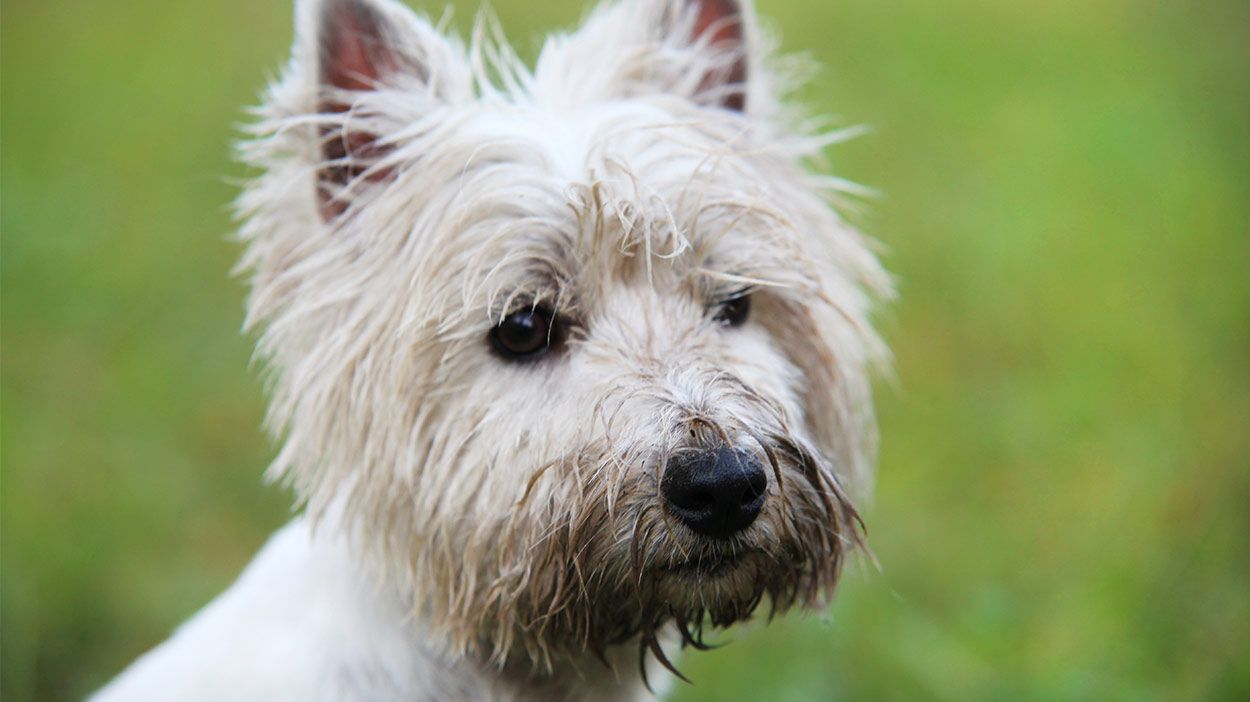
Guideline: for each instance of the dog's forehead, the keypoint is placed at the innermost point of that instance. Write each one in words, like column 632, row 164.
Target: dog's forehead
column 580, row 143
column 598, row 192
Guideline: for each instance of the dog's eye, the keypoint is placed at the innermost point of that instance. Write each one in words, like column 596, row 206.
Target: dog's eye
column 733, row 312
column 524, row 333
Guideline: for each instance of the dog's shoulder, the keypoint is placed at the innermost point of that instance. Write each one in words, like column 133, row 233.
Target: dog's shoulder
column 298, row 624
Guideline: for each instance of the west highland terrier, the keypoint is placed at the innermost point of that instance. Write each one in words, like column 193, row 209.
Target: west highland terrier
column 569, row 365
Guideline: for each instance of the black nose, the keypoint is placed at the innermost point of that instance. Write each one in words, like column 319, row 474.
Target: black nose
column 717, row 492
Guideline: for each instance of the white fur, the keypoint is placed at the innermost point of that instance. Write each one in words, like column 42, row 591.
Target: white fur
column 479, row 522
column 304, row 623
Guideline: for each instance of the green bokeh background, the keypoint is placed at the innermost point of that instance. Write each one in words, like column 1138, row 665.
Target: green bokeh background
column 1062, row 507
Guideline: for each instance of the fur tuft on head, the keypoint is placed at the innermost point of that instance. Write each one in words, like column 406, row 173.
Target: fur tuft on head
column 414, row 192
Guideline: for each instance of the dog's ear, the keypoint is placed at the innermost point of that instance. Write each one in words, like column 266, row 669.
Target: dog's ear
column 358, row 48
column 354, row 53
column 720, row 26
column 699, row 49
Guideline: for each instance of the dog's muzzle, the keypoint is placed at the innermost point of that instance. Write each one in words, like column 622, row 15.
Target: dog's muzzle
column 716, row 492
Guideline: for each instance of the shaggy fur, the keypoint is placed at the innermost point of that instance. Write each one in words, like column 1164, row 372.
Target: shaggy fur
column 478, row 527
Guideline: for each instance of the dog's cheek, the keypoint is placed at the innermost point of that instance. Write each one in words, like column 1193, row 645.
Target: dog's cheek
column 524, row 413
column 799, row 339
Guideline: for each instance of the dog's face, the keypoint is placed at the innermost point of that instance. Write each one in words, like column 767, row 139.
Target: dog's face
column 575, row 352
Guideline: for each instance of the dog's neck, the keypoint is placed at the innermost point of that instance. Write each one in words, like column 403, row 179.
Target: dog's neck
column 412, row 663
column 584, row 679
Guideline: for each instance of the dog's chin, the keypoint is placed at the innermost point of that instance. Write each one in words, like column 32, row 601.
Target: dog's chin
column 710, row 586
column 724, row 588
column 712, row 570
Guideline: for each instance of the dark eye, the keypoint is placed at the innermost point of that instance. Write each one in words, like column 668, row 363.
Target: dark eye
column 733, row 312
column 524, row 333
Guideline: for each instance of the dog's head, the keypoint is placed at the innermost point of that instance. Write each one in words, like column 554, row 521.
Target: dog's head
column 577, row 352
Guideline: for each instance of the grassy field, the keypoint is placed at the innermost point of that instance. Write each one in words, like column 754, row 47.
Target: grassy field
column 1063, row 507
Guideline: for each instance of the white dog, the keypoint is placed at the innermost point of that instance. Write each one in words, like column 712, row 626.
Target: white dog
column 568, row 364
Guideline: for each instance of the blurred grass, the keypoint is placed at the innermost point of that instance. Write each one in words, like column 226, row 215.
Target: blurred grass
column 1065, row 472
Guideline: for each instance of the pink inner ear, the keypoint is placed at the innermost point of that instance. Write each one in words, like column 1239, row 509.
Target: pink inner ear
column 353, row 56
column 723, row 18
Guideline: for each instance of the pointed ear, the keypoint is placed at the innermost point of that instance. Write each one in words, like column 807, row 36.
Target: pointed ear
column 695, row 49
column 720, row 24
column 356, row 50
column 357, row 46
column 360, row 47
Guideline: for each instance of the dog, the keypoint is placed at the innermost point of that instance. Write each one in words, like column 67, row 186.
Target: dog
column 568, row 365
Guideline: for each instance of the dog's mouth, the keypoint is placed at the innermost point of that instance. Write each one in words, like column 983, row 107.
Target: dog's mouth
column 714, row 565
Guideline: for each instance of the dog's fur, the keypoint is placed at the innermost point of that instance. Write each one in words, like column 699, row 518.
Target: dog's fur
column 483, row 526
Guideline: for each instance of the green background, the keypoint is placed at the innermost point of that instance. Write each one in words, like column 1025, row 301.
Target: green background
column 1062, row 507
